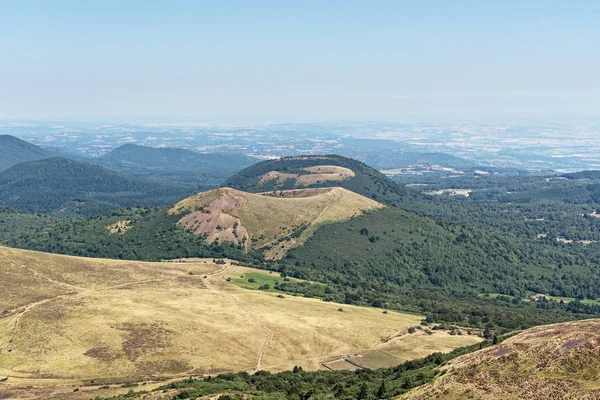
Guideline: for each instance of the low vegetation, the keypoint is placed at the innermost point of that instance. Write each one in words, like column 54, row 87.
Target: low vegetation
column 553, row 362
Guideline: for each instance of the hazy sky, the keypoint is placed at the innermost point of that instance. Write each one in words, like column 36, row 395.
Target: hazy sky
column 324, row 60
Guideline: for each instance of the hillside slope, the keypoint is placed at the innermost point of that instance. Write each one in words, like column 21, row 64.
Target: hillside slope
column 558, row 361
column 174, row 165
column 320, row 171
column 14, row 151
column 74, row 188
column 277, row 220
column 71, row 318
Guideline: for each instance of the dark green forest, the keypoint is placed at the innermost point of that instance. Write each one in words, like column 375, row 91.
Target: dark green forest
column 72, row 188
column 155, row 236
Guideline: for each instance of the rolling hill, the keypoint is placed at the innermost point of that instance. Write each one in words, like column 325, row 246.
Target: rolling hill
column 320, row 171
column 60, row 185
column 70, row 320
column 174, row 165
column 14, row 151
column 384, row 160
column 547, row 362
column 274, row 221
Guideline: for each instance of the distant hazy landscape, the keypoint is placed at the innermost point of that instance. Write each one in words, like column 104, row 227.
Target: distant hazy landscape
column 536, row 146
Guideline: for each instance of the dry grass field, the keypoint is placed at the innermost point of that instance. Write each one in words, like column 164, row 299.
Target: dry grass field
column 69, row 321
column 316, row 174
column 559, row 361
column 268, row 219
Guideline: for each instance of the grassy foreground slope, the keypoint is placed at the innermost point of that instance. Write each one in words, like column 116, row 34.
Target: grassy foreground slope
column 71, row 318
column 547, row 362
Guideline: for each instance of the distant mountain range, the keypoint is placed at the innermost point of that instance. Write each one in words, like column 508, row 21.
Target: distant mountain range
column 14, row 151
column 406, row 159
column 174, row 165
column 70, row 187
column 39, row 180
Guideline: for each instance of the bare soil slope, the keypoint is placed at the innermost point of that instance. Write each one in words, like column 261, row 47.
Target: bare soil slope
column 560, row 361
column 278, row 220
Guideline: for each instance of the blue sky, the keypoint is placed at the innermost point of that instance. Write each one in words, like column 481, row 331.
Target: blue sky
column 313, row 60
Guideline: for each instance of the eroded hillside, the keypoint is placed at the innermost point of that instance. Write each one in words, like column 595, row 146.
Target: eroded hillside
column 276, row 221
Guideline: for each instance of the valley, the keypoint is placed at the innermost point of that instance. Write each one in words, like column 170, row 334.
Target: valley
column 303, row 269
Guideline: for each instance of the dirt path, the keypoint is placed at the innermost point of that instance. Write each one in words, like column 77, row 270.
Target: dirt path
column 332, row 202
column 323, row 211
column 266, row 344
column 26, row 309
column 22, row 310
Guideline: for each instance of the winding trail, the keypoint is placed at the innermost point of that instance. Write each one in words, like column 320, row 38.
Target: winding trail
column 313, row 222
column 25, row 310
column 22, row 310
column 267, row 343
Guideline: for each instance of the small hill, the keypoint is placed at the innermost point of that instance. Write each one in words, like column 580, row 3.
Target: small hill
column 443, row 159
column 387, row 160
column 558, row 361
column 14, row 151
column 174, row 165
column 277, row 220
column 592, row 175
column 320, row 171
column 69, row 187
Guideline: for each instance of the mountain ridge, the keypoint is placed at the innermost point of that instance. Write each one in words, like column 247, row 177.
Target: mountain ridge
column 14, row 151
column 67, row 186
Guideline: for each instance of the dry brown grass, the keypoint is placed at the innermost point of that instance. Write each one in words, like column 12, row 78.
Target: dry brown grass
column 558, row 361
column 316, row 174
column 267, row 219
column 70, row 320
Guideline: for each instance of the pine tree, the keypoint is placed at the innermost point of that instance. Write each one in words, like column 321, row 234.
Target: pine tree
column 382, row 390
column 364, row 391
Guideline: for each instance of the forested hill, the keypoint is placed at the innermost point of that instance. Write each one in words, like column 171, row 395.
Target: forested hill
column 406, row 159
column 592, row 175
column 14, row 151
column 302, row 172
column 175, row 165
column 73, row 188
